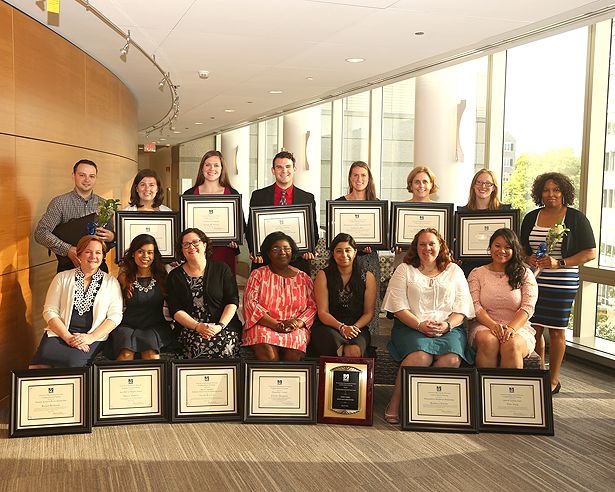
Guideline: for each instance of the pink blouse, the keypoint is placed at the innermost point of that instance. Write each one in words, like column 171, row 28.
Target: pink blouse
column 282, row 298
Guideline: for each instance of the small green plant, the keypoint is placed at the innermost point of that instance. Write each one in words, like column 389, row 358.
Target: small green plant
column 106, row 210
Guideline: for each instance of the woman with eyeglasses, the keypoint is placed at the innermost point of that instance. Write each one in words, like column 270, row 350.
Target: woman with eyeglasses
column 484, row 195
column 278, row 305
column 212, row 179
column 203, row 300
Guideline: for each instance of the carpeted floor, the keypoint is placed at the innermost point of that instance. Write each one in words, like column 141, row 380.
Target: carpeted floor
column 235, row 456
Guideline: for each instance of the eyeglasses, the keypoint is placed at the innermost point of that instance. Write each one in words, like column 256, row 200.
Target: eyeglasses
column 194, row 244
column 485, row 183
column 277, row 250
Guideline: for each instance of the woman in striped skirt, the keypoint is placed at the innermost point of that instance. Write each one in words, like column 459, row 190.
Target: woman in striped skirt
column 558, row 270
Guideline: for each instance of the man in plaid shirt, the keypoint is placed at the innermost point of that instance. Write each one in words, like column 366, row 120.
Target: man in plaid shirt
column 79, row 202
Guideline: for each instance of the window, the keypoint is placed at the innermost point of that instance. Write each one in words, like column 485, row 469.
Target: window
column 355, row 128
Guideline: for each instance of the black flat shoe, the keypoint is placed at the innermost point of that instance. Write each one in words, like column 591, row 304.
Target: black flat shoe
column 558, row 387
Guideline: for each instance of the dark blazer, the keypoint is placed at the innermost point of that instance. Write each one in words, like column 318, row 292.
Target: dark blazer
column 579, row 238
column 264, row 198
column 220, row 289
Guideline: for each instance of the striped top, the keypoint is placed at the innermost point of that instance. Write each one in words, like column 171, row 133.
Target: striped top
column 564, row 278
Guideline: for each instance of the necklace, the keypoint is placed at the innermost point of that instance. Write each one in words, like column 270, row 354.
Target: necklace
column 84, row 300
column 147, row 288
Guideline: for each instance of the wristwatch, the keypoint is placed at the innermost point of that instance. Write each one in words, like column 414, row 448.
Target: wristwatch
column 561, row 263
column 448, row 324
column 221, row 325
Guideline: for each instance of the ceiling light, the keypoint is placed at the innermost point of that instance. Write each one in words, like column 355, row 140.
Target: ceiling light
column 275, row 92
column 229, row 110
column 355, row 60
column 162, row 139
column 203, row 74
column 176, row 131
column 419, row 33
column 198, row 123
column 309, row 78
column 124, row 50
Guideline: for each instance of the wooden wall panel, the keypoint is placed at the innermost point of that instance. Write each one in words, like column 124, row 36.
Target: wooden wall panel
column 8, row 227
column 7, row 83
column 49, row 82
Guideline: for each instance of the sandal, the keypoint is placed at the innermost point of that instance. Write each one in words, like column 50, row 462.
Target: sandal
column 391, row 418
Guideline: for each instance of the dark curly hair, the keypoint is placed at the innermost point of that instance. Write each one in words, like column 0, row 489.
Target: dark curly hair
column 202, row 236
column 354, row 282
column 443, row 258
column 515, row 268
column 561, row 180
column 271, row 239
column 134, row 194
column 129, row 269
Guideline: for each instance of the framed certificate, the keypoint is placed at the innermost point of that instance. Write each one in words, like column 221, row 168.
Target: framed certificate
column 515, row 401
column 50, row 401
column 205, row 390
column 293, row 220
column 129, row 392
column 161, row 225
column 439, row 399
column 218, row 216
column 473, row 230
column 365, row 221
column 408, row 218
column 345, row 390
column 280, row 392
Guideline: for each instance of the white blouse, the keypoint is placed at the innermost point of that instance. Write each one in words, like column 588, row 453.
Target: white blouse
column 432, row 298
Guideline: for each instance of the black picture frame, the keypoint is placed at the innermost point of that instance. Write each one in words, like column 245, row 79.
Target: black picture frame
column 50, row 401
column 407, row 218
column 117, row 403
column 473, row 230
column 355, row 396
column 515, row 401
column 268, row 383
column 366, row 221
column 162, row 225
column 229, row 205
column 228, row 379
column 449, row 393
column 294, row 220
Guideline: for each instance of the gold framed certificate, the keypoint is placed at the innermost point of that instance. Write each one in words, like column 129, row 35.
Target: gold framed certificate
column 293, row 220
column 280, row 392
column 365, row 221
column 516, row 401
column 346, row 390
column 408, row 218
column 439, row 399
column 161, row 225
column 474, row 229
column 129, row 392
column 50, row 401
column 205, row 390
column 218, row 216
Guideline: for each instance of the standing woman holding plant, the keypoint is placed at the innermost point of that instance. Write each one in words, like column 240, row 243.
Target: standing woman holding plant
column 213, row 179
column 557, row 271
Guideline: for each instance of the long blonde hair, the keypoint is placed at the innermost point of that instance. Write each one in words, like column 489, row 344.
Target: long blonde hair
column 494, row 201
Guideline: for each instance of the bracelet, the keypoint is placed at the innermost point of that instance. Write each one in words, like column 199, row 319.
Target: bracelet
column 221, row 325
column 448, row 324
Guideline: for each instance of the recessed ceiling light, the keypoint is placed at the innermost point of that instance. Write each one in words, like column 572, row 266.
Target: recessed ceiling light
column 176, row 131
column 198, row 123
column 212, row 117
column 275, row 92
column 355, row 60
column 162, row 139
column 419, row 33
column 309, row 78
column 249, row 102
column 229, row 110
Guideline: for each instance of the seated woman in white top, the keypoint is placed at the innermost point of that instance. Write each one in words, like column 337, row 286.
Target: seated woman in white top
column 146, row 193
column 430, row 298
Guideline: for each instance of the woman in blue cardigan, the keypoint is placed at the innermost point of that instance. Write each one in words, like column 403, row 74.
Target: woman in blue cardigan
column 557, row 271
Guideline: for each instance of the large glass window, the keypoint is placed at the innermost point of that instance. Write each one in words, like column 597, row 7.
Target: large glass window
column 253, row 157
column 271, row 149
column 397, row 139
column 355, row 128
column 325, row 159
column 545, row 95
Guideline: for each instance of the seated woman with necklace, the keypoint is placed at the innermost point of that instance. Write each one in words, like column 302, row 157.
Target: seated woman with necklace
column 143, row 328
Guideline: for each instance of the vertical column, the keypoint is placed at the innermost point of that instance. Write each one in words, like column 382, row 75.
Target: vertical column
column 235, row 147
column 302, row 137
column 445, row 131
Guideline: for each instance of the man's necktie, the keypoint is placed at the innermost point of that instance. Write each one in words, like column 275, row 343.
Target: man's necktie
column 283, row 198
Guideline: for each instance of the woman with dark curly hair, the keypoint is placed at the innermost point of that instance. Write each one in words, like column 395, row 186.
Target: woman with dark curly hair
column 146, row 193
column 203, row 300
column 558, row 277
column 142, row 277
column 504, row 294
column 430, row 298
column 212, row 179
column 278, row 305
column 346, row 298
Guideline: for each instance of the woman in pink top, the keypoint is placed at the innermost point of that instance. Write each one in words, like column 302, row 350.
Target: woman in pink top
column 504, row 294
column 279, row 306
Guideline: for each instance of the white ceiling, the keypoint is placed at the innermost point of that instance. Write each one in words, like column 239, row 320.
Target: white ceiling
column 253, row 46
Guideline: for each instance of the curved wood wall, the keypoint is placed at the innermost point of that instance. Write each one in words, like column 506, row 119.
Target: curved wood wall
column 57, row 105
